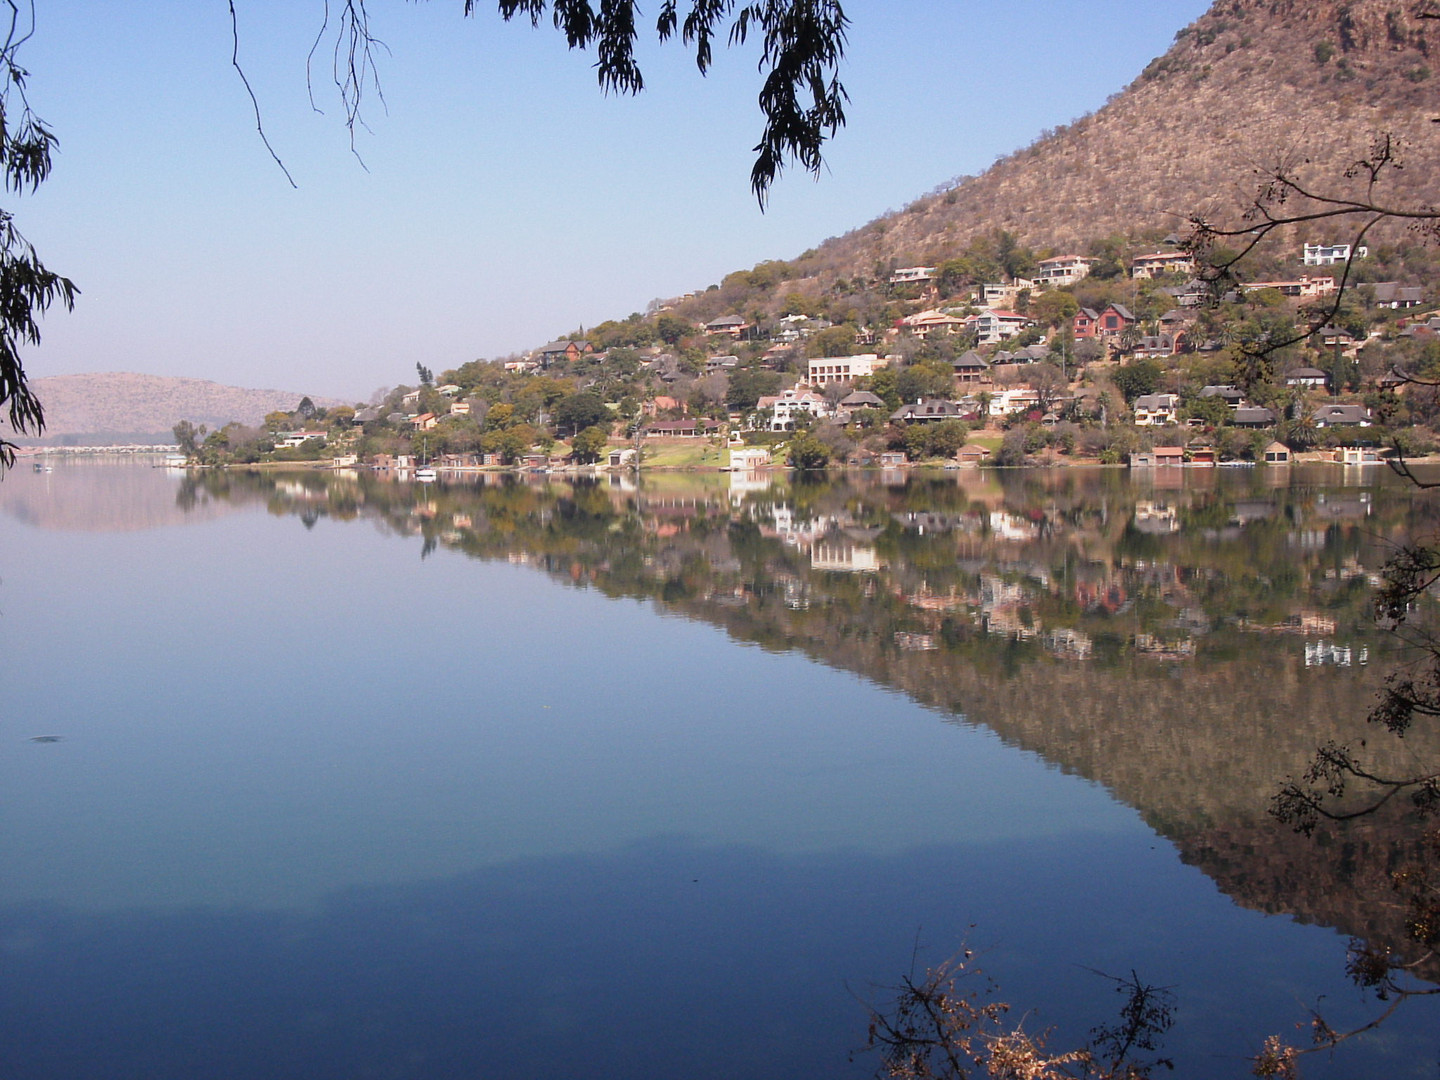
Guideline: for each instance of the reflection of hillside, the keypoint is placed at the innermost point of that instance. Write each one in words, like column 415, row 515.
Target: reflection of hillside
column 102, row 495
column 1154, row 645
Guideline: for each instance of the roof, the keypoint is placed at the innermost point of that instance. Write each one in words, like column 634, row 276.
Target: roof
column 1305, row 373
column 927, row 409
column 1156, row 401
column 861, row 399
column 1123, row 311
column 725, row 321
column 971, row 360
column 1253, row 414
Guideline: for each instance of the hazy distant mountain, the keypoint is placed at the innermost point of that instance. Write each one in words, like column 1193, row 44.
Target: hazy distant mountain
column 1249, row 81
column 123, row 406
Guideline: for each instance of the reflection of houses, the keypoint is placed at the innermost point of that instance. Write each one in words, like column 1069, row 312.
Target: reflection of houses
column 1007, row 526
column 840, row 553
column 1328, row 654
column 1156, row 518
column 908, row 642
column 1069, row 644
column 1154, row 648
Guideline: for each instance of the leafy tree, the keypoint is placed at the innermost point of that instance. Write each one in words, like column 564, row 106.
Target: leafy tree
column 924, row 380
column 807, row 452
column 1133, row 380
column 306, row 409
column 582, row 410
column 748, row 386
column 832, row 341
column 189, row 436
column 590, row 444
column 27, row 287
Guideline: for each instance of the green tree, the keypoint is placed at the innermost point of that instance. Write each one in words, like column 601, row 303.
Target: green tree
column 27, row 287
column 580, row 411
column 807, row 452
column 590, row 444
column 189, row 437
column 1133, row 380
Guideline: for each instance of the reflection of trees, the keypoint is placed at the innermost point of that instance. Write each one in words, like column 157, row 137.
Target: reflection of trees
column 977, row 579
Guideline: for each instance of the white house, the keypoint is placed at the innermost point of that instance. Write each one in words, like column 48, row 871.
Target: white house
column 1063, row 270
column 831, row 369
column 749, row 457
column 992, row 326
column 787, row 407
column 1330, row 254
column 912, row 275
column 1153, row 409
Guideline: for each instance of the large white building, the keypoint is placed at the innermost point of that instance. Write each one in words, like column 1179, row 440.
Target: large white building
column 1330, row 254
column 832, row 369
column 1063, row 270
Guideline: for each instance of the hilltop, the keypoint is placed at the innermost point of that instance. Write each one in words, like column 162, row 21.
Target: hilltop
column 1248, row 83
column 128, row 407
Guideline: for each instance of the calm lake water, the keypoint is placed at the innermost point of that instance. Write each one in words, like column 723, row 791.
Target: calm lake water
column 360, row 778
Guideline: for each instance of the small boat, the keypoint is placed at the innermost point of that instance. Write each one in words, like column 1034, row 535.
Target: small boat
column 425, row 475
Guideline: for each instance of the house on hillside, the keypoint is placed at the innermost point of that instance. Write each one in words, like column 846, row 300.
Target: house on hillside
column 1308, row 377
column 1231, row 395
column 832, row 369
column 721, row 363
column 729, row 325
column 925, row 411
column 1305, row 288
column 1341, row 416
column 1159, row 345
column 1253, row 416
column 971, row 368
column 1162, row 262
column 850, row 404
column 1155, row 409
column 993, row 326
column 1062, row 270
column 1397, row 297
column 924, row 323
column 1330, row 254
column 913, row 275
column 559, row 352
column 787, row 407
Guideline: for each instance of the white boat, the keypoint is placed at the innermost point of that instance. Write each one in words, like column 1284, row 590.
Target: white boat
column 425, row 475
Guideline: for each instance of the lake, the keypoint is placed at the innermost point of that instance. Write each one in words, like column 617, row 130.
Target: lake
column 531, row 777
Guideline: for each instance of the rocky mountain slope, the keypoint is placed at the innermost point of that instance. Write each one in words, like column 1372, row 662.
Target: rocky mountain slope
column 1250, row 82
column 123, row 406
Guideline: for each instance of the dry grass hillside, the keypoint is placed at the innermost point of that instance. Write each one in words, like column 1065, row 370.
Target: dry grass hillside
column 127, row 406
column 1247, row 83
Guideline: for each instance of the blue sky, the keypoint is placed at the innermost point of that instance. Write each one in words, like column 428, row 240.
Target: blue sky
column 503, row 200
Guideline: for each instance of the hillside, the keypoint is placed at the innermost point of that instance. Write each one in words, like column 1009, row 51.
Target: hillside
column 123, row 406
column 1249, row 82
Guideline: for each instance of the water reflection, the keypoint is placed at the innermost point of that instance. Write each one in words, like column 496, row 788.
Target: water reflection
column 1186, row 641
column 318, row 806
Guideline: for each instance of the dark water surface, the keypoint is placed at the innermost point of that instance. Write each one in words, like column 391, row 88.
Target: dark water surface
column 360, row 778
